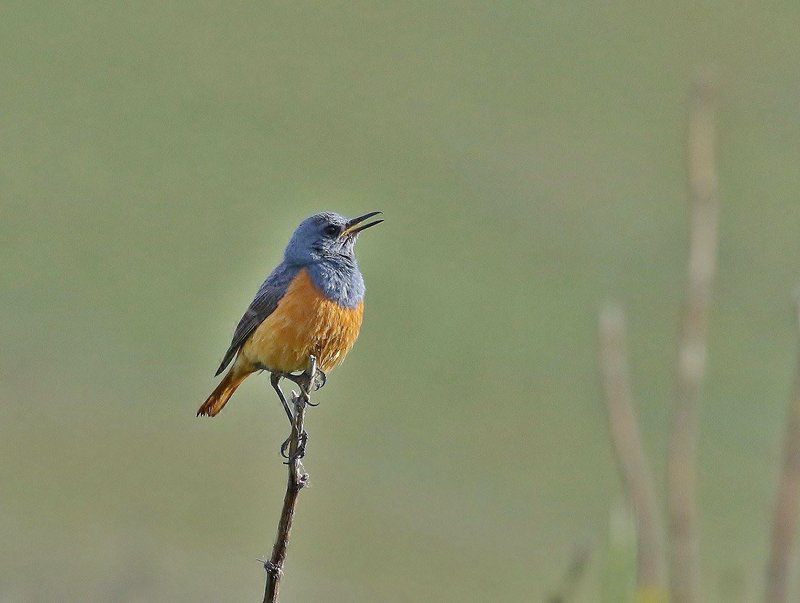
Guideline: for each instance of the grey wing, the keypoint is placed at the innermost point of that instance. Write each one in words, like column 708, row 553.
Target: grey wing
column 263, row 305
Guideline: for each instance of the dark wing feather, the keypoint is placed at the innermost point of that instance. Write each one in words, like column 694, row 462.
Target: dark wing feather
column 263, row 305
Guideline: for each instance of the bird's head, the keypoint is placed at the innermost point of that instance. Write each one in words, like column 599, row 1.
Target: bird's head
column 326, row 235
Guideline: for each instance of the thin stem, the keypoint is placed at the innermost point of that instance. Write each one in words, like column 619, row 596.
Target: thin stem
column 634, row 468
column 787, row 502
column 682, row 454
column 297, row 480
column 572, row 577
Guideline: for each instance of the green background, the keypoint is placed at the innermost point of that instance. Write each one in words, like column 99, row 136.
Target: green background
column 529, row 158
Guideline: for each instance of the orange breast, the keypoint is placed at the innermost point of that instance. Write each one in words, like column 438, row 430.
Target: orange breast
column 305, row 322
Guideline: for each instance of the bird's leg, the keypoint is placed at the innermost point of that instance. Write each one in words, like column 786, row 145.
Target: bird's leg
column 309, row 380
column 274, row 379
column 305, row 381
column 302, row 438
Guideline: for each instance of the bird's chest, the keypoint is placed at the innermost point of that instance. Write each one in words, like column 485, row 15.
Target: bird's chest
column 304, row 322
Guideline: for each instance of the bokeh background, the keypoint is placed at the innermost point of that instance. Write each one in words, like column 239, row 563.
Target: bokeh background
column 529, row 157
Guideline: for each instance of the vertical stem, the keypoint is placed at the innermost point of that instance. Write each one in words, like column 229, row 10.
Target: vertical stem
column 787, row 502
column 572, row 577
column 632, row 462
column 682, row 453
column 297, row 480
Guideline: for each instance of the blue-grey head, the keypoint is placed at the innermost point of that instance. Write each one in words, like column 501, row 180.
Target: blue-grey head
column 326, row 237
column 325, row 245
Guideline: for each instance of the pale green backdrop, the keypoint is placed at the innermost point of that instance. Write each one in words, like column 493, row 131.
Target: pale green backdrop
column 154, row 158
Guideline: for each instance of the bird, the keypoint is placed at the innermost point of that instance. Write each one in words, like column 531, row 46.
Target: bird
column 311, row 304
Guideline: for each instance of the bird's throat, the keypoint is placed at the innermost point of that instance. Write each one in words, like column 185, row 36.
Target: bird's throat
column 339, row 281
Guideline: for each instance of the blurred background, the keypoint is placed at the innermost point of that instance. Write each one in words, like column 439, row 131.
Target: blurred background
column 529, row 158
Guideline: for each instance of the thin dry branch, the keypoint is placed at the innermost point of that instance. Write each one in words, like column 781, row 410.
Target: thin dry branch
column 573, row 576
column 682, row 453
column 631, row 459
column 787, row 503
column 297, row 480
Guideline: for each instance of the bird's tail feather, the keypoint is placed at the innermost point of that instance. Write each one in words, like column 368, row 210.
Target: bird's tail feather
column 223, row 392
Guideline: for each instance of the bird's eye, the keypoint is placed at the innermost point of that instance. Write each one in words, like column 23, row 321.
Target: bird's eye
column 331, row 230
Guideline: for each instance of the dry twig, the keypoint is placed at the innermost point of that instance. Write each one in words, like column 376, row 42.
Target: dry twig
column 297, row 480
column 632, row 462
column 573, row 576
column 787, row 503
column 681, row 462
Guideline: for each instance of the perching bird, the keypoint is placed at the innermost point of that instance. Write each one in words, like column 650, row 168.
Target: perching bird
column 311, row 304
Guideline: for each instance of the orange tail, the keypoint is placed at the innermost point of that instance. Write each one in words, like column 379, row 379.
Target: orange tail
column 222, row 393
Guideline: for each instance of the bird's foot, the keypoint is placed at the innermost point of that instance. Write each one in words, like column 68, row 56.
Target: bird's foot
column 319, row 380
column 301, row 447
column 308, row 383
column 314, row 383
column 299, row 453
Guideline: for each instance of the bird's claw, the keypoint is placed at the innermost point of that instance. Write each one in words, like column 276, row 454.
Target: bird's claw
column 301, row 448
column 319, row 380
column 316, row 383
column 308, row 383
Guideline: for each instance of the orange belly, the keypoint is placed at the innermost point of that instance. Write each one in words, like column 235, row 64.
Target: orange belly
column 305, row 322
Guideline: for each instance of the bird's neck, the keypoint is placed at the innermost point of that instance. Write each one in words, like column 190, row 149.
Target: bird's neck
column 339, row 280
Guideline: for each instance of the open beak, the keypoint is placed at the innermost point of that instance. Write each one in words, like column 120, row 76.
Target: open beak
column 356, row 225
